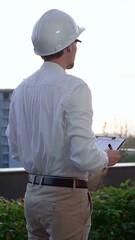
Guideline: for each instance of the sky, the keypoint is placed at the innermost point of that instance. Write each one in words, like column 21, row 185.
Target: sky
column 105, row 60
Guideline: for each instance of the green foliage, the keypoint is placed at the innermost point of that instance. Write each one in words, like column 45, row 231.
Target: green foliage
column 12, row 221
column 129, row 143
column 128, row 150
column 126, row 157
column 114, row 213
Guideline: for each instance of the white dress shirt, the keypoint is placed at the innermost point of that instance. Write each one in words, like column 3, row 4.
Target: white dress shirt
column 50, row 125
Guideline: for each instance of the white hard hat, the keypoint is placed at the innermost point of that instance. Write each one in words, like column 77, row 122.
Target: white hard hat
column 53, row 32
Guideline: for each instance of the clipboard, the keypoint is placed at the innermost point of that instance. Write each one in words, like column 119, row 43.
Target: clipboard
column 103, row 142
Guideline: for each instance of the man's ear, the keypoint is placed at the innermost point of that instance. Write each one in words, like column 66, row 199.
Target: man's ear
column 69, row 48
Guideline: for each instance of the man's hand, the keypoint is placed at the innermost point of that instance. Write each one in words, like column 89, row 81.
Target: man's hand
column 113, row 156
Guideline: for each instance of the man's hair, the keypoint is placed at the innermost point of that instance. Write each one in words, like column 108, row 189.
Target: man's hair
column 55, row 55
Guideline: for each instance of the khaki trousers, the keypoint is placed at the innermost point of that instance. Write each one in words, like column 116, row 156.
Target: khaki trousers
column 57, row 213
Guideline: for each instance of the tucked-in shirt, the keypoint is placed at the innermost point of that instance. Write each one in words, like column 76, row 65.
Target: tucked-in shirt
column 50, row 125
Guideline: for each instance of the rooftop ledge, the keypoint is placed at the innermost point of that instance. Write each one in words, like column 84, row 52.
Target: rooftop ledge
column 13, row 181
column 21, row 169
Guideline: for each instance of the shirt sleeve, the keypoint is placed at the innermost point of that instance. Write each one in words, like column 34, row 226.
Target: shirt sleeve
column 83, row 150
column 11, row 134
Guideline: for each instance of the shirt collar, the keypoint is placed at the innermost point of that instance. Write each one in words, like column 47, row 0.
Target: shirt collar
column 52, row 66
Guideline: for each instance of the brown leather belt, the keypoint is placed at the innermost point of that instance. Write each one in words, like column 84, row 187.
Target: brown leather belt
column 57, row 181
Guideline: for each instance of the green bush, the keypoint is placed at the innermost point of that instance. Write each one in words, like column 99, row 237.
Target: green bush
column 114, row 213
column 127, row 157
column 12, row 221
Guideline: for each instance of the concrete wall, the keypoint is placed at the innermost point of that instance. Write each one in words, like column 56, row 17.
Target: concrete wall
column 13, row 181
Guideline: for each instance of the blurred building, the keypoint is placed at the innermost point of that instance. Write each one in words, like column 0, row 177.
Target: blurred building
column 5, row 158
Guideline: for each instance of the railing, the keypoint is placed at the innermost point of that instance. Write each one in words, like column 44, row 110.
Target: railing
column 13, row 181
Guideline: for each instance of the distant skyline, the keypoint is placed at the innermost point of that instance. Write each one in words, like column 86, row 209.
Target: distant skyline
column 105, row 59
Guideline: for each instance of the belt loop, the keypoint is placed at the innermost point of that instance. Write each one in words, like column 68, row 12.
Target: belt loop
column 74, row 184
column 33, row 180
column 41, row 180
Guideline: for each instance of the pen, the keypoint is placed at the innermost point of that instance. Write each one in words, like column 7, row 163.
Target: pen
column 110, row 146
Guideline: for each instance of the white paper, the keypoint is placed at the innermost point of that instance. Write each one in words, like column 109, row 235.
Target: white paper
column 104, row 141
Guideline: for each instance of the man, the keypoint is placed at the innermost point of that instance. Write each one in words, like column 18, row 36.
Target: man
column 50, row 132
